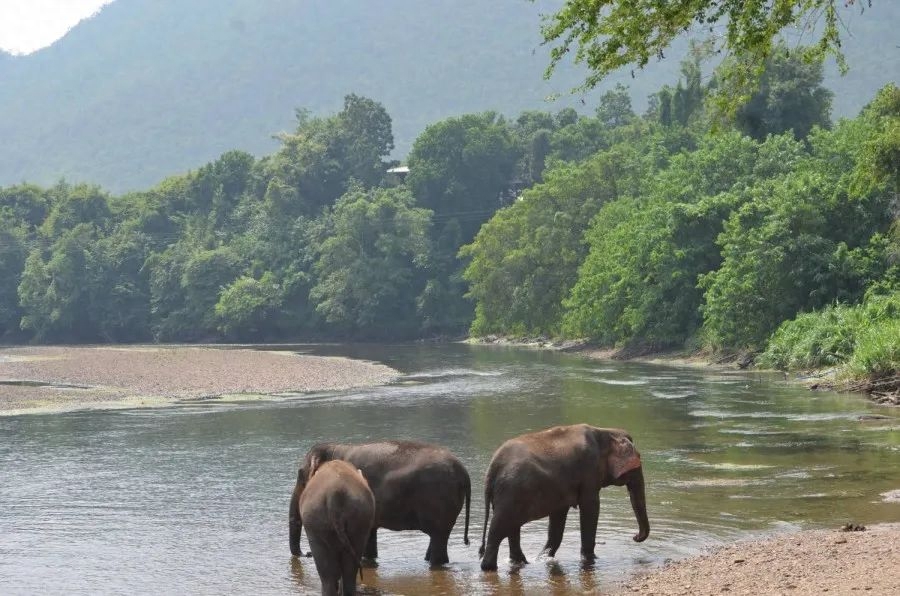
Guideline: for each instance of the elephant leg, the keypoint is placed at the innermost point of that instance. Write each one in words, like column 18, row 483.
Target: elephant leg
column 515, row 547
column 327, row 565
column 437, row 549
column 555, row 531
column 494, row 537
column 349, row 568
column 590, row 510
column 371, row 552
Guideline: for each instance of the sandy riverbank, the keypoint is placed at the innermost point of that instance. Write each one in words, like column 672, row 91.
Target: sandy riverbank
column 810, row 562
column 66, row 378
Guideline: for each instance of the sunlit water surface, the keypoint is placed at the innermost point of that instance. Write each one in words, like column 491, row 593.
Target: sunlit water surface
column 193, row 498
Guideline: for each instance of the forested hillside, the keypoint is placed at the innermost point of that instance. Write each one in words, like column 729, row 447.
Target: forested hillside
column 649, row 231
column 149, row 88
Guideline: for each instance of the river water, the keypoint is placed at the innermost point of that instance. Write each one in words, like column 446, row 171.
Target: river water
column 193, row 498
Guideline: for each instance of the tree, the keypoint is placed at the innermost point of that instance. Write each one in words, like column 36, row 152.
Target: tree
column 56, row 295
column 186, row 281
column 26, row 203
column 369, row 268
column 615, row 107
column 607, row 34
column 637, row 285
column 811, row 239
column 319, row 160
column 13, row 253
column 534, row 130
column 367, row 138
column 121, row 291
column 73, row 205
column 216, row 188
column 247, row 307
column 462, row 170
column 790, row 97
column 460, row 167
column 525, row 260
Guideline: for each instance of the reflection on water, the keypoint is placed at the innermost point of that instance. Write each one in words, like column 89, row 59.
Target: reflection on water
column 193, row 499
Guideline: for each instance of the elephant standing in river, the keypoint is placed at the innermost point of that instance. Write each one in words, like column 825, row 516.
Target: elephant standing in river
column 339, row 509
column 417, row 486
column 545, row 473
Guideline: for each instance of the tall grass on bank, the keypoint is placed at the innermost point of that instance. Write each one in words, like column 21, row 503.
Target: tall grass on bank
column 877, row 353
column 813, row 340
column 864, row 340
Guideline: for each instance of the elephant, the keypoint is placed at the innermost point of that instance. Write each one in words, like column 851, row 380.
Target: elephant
column 339, row 510
column 417, row 486
column 545, row 473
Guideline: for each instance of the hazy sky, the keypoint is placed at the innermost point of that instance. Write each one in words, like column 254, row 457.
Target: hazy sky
column 28, row 25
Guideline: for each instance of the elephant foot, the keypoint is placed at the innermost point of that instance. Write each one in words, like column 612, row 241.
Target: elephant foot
column 367, row 563
column 588, row 558
column 488, row 565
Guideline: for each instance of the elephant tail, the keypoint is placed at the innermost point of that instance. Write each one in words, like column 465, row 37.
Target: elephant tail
column 488, row 496
column 468, row 500
column 341, row 531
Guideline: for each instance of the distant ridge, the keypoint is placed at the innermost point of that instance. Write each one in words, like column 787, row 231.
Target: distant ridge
column 150, row 88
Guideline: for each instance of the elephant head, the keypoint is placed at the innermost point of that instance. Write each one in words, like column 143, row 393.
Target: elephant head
column 621, row 466
column 295, row 523
column 318, row 455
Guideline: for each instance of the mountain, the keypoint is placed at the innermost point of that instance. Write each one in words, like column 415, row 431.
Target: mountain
column 149, row 88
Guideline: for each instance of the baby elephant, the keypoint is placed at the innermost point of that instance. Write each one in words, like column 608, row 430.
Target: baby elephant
column 417, row 486
column 338, row 510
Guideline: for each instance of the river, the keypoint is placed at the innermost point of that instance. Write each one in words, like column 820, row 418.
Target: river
column 193, row 498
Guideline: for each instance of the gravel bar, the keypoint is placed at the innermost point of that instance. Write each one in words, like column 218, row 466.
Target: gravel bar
column 65, row 378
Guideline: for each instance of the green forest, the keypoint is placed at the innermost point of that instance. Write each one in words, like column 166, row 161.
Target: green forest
column 773, row 232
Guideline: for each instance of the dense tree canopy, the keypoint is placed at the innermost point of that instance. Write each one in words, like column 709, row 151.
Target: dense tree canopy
column 369, row 266
column 637, row 231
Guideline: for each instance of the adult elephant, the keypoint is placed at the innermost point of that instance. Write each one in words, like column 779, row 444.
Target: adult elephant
column 339, row 510
column 417, row 486
column 545, row 473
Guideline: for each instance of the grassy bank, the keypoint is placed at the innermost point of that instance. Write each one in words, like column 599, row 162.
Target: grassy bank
column 858, row 346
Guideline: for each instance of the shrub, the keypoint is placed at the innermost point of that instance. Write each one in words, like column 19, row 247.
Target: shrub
column 814, row 339
column 865, row 337
column 877, row 351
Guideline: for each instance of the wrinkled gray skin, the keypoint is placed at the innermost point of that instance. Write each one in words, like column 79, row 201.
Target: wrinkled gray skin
column 545, row 473
column 339, row 509
column 417, row 486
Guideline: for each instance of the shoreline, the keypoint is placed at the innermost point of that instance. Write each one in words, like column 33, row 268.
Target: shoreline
column 815, row 380
column 835, row 561
column 52, row 379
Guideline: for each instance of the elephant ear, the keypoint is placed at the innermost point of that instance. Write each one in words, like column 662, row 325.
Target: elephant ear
column 314, row 463
column 623, row 457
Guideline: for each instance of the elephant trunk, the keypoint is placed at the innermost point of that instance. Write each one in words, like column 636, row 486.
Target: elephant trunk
column 639, row 504
column 295, row 523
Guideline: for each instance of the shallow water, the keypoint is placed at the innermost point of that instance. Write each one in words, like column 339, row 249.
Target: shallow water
column 193, row 498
